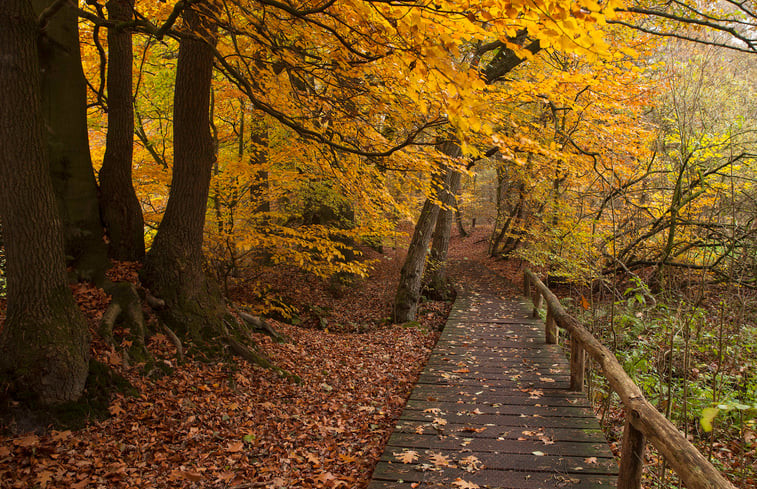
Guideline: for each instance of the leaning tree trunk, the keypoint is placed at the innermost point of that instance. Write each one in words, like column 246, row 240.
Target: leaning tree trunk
column 438, row 284
column 173, row 267
column 44, row 343
column 409, row 289
column 64, row 102
column 119, row 206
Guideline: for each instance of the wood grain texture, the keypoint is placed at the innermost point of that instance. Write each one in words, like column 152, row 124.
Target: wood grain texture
column 493, row 408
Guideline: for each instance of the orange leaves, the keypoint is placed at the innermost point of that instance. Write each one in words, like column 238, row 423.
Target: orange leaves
column 463, row 484
column 407, row 456
column 234, row 446
column 232, row 424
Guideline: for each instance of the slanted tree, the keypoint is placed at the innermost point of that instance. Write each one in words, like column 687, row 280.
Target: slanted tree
column 119, row 206
column 44, row 343
column 438, row 283
column 411, row 276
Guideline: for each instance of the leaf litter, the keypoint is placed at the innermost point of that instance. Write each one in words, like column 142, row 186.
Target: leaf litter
column 229, row 424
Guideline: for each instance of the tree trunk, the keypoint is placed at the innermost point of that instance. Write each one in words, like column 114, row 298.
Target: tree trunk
column 459, row 219
column 173, row 267
column 119, row 206
column 44, row 343
column 438, row 284
column 408, row 291
column 64, row 104
column 259, row 160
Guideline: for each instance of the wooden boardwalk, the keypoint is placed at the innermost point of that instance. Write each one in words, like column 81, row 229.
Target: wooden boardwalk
column 492, row 410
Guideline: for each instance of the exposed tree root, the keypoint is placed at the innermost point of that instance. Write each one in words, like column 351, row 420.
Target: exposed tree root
column 249, row 354
column 260, row 324
column 175, row 340
column 126, row 307
column 241, row 325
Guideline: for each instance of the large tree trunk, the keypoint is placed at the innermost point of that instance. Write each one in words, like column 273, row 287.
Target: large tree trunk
column 64, row 103
column 409, row 289
column 173, row 267
column 119, row 206
column 44, row 343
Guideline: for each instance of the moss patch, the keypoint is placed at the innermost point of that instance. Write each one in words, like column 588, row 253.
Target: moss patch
column 21, row 416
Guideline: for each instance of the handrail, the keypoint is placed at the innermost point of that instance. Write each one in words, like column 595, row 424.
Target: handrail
column 643, row 420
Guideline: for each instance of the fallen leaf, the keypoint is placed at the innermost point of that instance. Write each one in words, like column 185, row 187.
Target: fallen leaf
column 590, row 460
column 44, row 478
column 462, row 484
column 235, row 446
column 26, row 441
column 538, row 453
column 439, row 459
column 186, row 475
column 406, row 457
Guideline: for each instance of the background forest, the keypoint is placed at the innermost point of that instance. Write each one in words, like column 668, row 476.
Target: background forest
column 199, row 180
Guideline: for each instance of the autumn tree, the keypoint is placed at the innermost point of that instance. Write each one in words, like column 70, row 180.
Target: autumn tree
column 173, row 267
column 119, row 206
column 688, row 210
column 44, row 344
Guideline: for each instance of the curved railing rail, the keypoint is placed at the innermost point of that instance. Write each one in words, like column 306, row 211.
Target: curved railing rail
column 643, row 422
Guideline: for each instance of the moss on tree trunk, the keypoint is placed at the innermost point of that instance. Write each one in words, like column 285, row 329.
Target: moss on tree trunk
column 173, row 268
column 44, row 344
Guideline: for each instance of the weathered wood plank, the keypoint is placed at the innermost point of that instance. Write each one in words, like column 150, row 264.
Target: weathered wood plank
column 522, row 462
column 399, row 441
column 510, row 479
column 494, row 392
column 496, row 408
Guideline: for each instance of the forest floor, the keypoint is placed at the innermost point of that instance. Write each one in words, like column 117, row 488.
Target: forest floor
column 233, row 425
column 229, row 424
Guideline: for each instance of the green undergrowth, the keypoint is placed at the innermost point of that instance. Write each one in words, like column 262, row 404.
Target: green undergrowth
column 696, row 361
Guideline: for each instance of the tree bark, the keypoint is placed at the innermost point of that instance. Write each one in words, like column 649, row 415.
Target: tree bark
column 259, row 160
column 408, row 291
column 119, row 206
column 64, row 104
column 44, row 343
column 173, row 267
column 438, row 284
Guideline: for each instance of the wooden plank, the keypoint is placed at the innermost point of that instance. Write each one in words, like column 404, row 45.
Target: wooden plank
column 515, row 432
column 399, row 441
column 510, row 479
column 495, row 391
column 495, row 408
column 522, row 462
column 512, row 398
column 483, row 420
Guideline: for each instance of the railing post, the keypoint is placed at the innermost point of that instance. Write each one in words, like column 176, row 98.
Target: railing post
column 631, row 457
column 577, row 365
column 550, row 328
column 537, row 300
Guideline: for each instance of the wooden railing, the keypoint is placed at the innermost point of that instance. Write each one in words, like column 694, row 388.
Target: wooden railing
column 643, row 422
